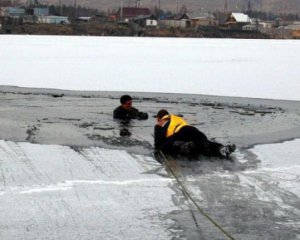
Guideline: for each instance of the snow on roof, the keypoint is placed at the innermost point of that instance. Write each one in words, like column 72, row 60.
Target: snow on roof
column 241, row 17
column 200, row 16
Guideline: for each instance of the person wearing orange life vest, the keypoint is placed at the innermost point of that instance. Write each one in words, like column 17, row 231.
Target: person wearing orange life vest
column 173, row 135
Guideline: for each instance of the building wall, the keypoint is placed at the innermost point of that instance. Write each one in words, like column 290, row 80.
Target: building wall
column 52, row 19
column 41, row 11
column 12, row 11
column 203, row 22
column 151, row 22
column 174, row 23
column 296, row 34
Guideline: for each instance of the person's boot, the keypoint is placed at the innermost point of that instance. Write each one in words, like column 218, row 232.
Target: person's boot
column 225, row 151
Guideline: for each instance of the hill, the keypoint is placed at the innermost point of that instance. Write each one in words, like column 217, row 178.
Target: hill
column 276, row 6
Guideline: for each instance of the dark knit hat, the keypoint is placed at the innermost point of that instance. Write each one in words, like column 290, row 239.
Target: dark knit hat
column 161, row 113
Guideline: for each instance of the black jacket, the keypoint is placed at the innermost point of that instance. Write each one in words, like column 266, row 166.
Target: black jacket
column 133, row 113
column 175, row 143
column 160, row 135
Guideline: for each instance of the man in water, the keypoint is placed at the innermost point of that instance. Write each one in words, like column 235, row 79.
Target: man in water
column 126, row 111
column 173, row 135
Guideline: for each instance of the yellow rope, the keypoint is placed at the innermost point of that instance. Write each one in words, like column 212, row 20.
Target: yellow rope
column 188, row 195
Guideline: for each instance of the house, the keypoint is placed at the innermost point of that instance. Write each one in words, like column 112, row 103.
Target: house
column 236, row 21
column 141, row 16
column 40, row 11
column 258, row 25
column 12, row 15
column 294, row 26
column 83, row 19
column 41, row 15
column 146, row 21
column 203, row 20
column 176, row 21
column 52, row 19
column 126, row 14
column 12, row 12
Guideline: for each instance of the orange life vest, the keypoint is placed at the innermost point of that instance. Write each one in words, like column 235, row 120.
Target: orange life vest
column 176, row 123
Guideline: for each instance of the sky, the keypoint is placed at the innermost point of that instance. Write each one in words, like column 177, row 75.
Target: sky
column 225, row 67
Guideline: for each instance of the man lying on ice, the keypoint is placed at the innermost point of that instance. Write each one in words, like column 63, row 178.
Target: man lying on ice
column 173, row 135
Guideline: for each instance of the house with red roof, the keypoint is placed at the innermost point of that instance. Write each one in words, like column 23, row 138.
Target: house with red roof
column 132, row 12
column 141, row 16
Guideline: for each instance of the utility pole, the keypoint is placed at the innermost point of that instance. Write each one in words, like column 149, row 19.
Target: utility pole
column 75, row 6
column 256, row 19
column 158, row 9
column 59, row 7
column 121, row 11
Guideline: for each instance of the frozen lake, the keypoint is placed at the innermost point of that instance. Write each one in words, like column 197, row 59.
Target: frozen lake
column 223, row 67
column 67, row 174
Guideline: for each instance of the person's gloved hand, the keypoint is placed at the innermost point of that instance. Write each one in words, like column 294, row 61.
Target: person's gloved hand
column 142, row 116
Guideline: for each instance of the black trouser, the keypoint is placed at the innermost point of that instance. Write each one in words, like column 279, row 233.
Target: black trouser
column 192, row 134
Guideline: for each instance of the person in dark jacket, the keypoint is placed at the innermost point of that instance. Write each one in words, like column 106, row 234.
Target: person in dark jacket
column 126, row 111
column 173, row 135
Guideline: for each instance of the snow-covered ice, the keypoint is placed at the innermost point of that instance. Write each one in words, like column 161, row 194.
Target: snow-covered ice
column 99, row 193
column 281, row 161
column 94, row 194
column 224, row 67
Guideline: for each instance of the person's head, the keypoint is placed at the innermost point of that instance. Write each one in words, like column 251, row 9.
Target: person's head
column 126, row 102
column 161, row 113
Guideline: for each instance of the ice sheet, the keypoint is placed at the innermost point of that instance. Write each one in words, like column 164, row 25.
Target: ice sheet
column 225, row 67
column 56, row 192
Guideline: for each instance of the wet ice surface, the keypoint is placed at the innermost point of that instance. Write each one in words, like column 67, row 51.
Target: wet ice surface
column 66, row 173
column 56, row 192
column 85, row 118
